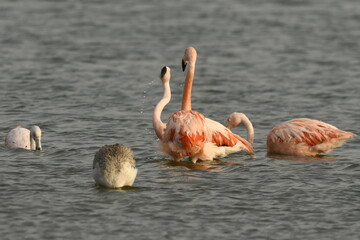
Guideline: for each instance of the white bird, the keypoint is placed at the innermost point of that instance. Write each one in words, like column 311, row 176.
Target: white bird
column 114, row 166
column 23, row 138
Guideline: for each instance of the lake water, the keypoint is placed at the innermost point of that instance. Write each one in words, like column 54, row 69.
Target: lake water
column 87, row 72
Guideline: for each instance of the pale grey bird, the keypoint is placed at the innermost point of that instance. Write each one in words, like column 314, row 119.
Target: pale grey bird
column 114, row 166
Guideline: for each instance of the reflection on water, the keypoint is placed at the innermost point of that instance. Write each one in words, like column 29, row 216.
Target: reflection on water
column 121, row 189
column 215, row 165
column 298, row 159
column 199, row 165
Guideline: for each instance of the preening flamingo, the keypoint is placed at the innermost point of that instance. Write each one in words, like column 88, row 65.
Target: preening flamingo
column 114, row 166
column 189, row 133
column 24, row 138
column 236, row 119
column 305, row 137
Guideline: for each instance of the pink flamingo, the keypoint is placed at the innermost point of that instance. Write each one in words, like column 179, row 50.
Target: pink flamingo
column 189, row 133
column 300, row 137
column 305, row 137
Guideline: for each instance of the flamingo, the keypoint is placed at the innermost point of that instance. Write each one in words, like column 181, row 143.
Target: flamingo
column 236, row 119
column 305, row 137
column 298, row 137
column 114, row 166
column 20, row 137
column 158, row 125
column 189, row 133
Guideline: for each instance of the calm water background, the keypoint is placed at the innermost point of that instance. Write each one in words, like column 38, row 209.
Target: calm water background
column 87, row 73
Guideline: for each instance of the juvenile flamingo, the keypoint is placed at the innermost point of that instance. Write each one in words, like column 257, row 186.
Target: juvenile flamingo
column 114, row 166
column 24, row 138
column 189, row 133
column 305, row 137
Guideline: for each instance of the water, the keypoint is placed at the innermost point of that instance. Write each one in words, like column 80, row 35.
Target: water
column 87, row 73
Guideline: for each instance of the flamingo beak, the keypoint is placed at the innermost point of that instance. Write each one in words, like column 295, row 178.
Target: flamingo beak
column 38, row 144
column 163, row 72
column 228, row 124
column 183, row 64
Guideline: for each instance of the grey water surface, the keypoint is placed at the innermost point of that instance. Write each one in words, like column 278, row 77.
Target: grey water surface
column 87, row 72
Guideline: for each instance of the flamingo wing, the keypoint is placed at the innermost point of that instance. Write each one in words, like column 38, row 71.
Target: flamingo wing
column 223, row 137
column 189, row 133
column 308, row 131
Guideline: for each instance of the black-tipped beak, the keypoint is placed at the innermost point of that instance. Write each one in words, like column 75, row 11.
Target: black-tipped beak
column 163, row 71
column 183, row 64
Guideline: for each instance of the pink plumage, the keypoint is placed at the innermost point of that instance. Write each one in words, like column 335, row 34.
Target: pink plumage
column 189, row 133
column 305, row 137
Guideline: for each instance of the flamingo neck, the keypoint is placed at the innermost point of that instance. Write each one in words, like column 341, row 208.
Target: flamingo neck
column 158, row 125
column 249, row 129
column 186, row 100
column 32, row 143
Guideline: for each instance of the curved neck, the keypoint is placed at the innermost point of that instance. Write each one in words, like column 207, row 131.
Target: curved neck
column 186, row 100
column 32, row 143
column 249, row 129
column 158, row 125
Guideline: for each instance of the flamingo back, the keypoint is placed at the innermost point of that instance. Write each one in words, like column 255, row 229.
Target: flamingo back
column 185, row 133
column 223, row 137
column 305, row 137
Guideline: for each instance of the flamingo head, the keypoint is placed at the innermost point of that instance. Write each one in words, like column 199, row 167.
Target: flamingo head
column 35, row 134
column 234, row 119
column 165, row 74
column 189, row 57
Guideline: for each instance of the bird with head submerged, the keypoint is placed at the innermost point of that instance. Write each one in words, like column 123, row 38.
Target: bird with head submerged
column 114, row 166
column 24, row 138
column 298, row 137
column 189, row 133
column 305, row 137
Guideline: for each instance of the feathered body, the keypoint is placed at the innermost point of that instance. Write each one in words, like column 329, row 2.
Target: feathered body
column 305, row 137
column 20, row 137
column 189, row 133
column 114, row 166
